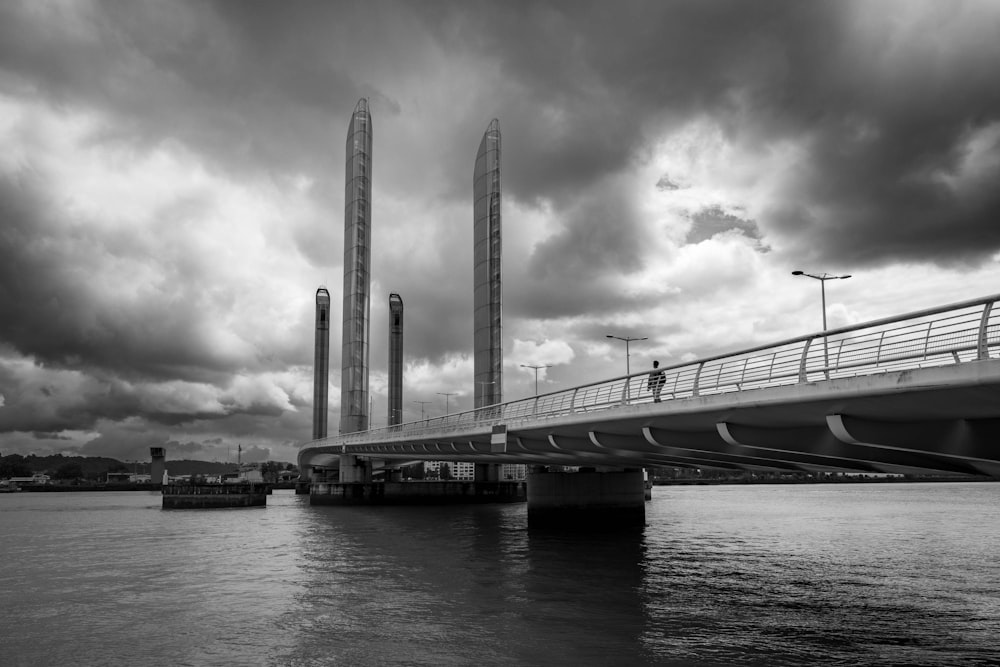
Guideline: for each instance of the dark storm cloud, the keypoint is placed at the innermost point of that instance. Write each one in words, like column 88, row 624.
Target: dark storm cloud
column 56, row 310
column 666, row 184
column 579, row 268
column 893, row 202
column 125, row 442
column 432, row 272
column 182, row 71
column 585, row 86
column 708, row 222
column 40, row 435
column 883, row 113
column 52, row 404
column 582, row 90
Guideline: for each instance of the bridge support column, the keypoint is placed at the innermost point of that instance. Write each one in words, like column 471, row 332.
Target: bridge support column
column 354, row 469
column 304, row 481
column 586, row 499
column 487, row 472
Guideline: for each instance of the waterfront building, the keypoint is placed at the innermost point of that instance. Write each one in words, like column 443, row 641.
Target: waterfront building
column 515, row 472
column 37, row 478
column 487, row 283
column 357, row 272
column 395, row 415
column 321, row 364
column 462, row 471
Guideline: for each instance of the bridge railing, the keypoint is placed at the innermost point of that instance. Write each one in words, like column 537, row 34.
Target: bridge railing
column 952, row 334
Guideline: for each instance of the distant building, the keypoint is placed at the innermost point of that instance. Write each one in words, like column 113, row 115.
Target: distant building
column 457, row 470
column 462, row 471
column 127, row 478
column 37, row 478
column 515, row 472
column 248, row 472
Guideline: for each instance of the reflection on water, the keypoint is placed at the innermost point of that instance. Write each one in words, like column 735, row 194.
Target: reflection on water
column 825, row 574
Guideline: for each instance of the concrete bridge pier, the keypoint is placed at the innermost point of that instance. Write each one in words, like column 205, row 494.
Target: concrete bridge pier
column 304, row 481
column 487, row 472
column 355, row 469
column 586, row 499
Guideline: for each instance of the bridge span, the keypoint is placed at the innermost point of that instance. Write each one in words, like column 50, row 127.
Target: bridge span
column 915, row 393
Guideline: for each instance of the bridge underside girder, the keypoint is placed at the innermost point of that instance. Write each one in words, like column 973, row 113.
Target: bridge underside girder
column 916, row 421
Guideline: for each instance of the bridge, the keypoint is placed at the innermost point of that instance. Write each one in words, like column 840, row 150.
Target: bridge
column 915, row 393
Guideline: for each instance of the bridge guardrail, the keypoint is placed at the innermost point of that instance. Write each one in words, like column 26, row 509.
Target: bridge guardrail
column 956, row 333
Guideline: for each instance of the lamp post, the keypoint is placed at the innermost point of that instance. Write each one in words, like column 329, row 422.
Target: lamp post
column 822, row 278
column 422, row 404
column 628, row 368
column 536, row 373
column 446, row 395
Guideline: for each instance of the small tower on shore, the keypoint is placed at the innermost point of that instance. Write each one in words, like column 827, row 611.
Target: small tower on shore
column 158, row 467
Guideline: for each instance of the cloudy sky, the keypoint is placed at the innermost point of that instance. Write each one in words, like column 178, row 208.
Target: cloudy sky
column 171, row 194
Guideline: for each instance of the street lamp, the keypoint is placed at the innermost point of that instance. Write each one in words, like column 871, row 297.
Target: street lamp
column 422, row 404
column 627, row 339
column 536, row 373
column 822, row 278
column 628, row 368
column 446, row 395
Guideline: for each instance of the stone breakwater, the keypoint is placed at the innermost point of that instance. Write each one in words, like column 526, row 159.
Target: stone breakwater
column 209, row 496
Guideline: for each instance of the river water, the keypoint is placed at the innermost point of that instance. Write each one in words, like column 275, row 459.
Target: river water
column 853, row 574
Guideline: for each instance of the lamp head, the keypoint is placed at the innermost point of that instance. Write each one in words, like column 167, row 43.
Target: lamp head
column 797, row 273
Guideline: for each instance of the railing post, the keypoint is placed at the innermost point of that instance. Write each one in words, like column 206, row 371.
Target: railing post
column 803, row 376
column 697, row 379
column 840, row 348
column 982, row 344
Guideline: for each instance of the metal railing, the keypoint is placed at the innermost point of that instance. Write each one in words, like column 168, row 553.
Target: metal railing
column 952, row 334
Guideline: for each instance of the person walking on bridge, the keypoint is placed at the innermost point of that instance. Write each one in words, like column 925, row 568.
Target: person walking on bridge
column 656, row 381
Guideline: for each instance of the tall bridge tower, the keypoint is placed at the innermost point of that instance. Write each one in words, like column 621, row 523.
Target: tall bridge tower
column 357, row 272
column 321, row 364
column 487, row 283
column 395, row 360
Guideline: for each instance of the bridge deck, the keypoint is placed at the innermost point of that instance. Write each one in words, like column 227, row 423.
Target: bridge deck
column 914, row 393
